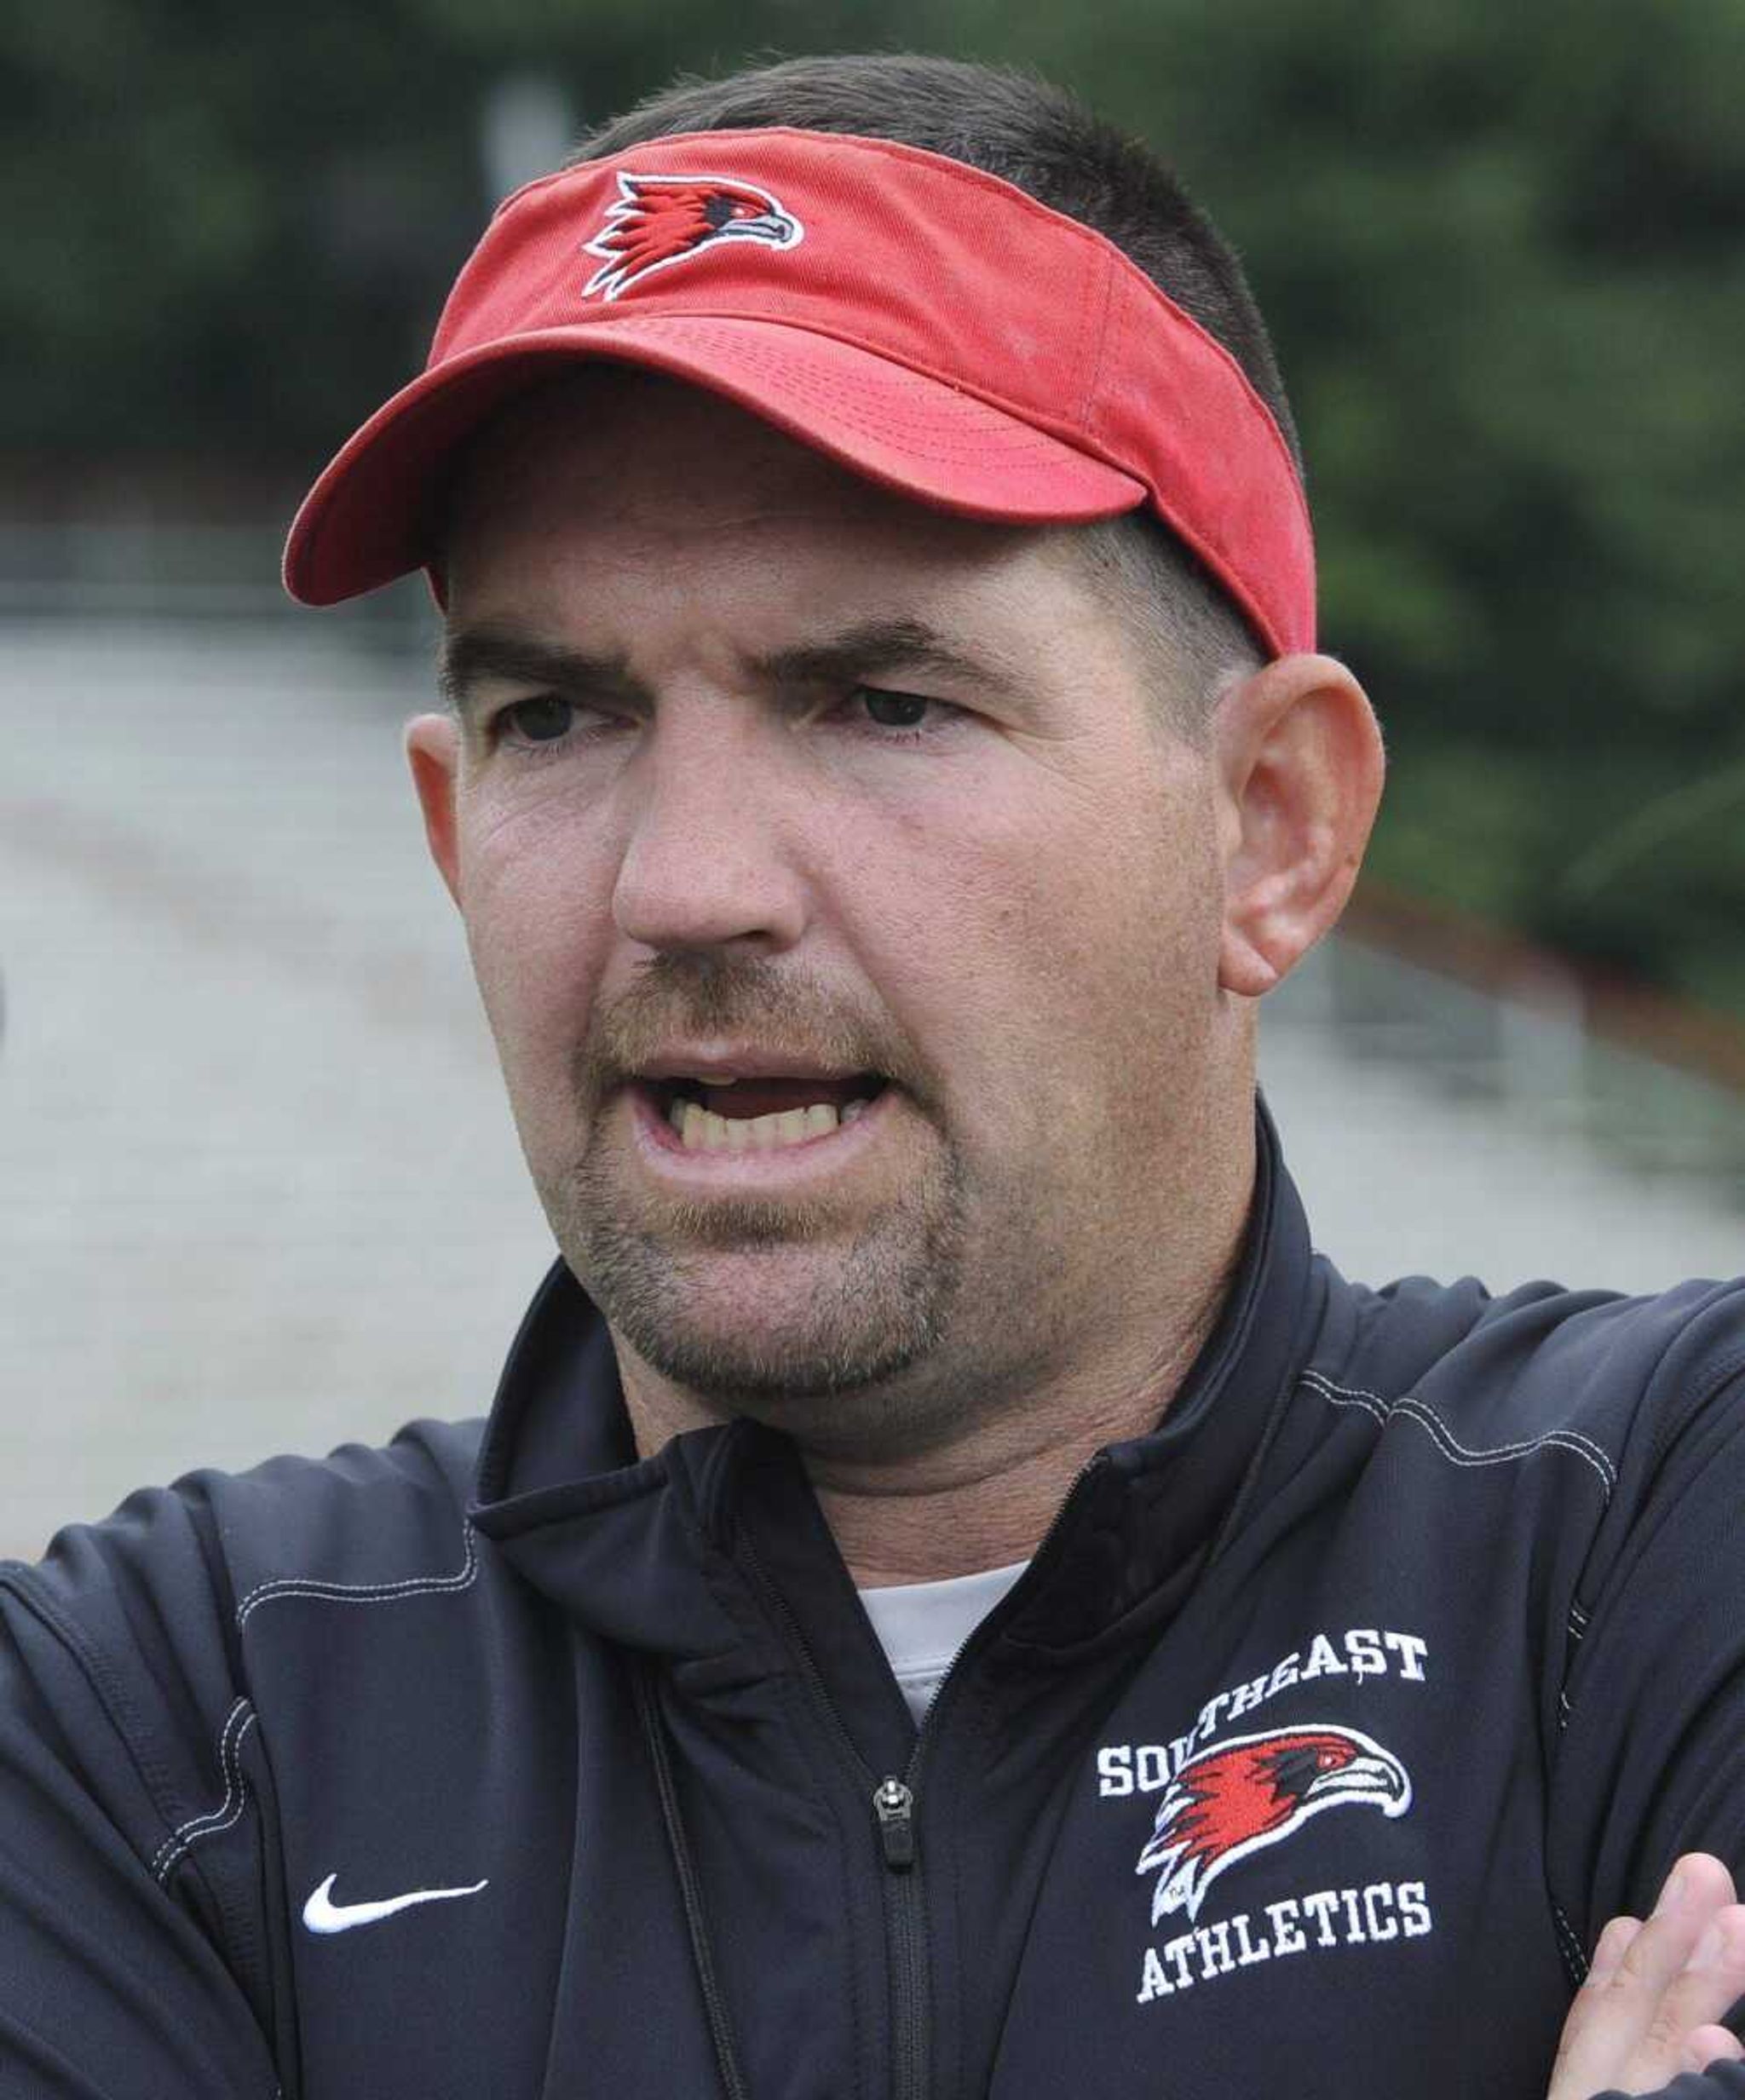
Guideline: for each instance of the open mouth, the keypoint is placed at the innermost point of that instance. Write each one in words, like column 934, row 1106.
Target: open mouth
column 753, row 1114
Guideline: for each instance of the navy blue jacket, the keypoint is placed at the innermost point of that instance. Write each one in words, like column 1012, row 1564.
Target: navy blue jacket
column 1329, row 1725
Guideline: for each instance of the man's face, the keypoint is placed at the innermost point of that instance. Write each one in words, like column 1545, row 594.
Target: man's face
column 770, row 778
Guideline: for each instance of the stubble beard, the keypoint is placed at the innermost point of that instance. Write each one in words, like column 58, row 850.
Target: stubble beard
column 829, row 1307
column 830, row 1315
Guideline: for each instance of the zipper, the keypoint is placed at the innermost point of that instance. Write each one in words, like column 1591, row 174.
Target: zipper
column 906, row 1919
column 894, row 1804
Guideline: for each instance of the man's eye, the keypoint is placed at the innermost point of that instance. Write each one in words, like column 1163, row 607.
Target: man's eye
column 540, row 721
column 893, row 711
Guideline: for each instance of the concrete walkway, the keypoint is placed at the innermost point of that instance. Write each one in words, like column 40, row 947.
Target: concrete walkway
column 258, row 1187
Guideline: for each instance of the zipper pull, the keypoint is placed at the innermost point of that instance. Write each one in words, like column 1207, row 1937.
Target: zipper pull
column 895, row 1806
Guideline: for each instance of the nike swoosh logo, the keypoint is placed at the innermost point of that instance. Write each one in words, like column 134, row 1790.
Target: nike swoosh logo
column 322, row 1914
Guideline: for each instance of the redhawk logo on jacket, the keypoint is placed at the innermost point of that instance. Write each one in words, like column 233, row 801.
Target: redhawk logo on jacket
column 1222, row 1799
column 660, row 220
column 1256, row 1791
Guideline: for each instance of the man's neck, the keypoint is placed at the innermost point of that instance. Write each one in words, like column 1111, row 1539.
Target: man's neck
column 988, row 1497
column 992, row 1502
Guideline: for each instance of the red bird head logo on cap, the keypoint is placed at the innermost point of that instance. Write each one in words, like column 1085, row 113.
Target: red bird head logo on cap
column 1228, row 1802
column 658, row 220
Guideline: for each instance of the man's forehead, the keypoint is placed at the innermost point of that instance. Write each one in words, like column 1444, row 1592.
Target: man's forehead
column 620, row 437
column 617, row 515
column 631, row 465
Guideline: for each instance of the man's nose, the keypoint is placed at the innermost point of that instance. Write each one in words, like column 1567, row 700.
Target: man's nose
column 708, row 860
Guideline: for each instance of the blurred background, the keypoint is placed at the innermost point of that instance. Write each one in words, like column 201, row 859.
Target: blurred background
column 257, row 1187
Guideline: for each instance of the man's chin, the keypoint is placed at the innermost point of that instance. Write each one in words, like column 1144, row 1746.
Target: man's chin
column 750, row 1311
column 748, row 1328
column 747, row 1301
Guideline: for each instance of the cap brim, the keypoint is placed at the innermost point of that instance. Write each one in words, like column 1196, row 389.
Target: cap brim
column 375, row 513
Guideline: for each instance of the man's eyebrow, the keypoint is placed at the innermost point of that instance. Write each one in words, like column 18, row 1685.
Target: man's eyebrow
column 880, row 644
column 472, row 654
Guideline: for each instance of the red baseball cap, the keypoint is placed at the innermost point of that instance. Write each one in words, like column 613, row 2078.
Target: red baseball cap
column 929, row 326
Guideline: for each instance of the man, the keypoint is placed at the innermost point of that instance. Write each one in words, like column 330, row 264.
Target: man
column 887, row 761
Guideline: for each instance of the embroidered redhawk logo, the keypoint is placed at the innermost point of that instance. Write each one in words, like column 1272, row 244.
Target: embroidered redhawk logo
column 1255, row 1791
column 660, row 220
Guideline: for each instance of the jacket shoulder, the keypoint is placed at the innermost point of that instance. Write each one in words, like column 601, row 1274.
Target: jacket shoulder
column 213, row 1538
column 366, row 1522
column 1604, row 1368
column 131, row 1629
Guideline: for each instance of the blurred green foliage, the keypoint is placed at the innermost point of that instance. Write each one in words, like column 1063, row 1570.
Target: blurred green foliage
column 1502, row 247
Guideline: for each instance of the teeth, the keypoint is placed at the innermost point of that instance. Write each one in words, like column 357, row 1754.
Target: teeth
column 701, row 1130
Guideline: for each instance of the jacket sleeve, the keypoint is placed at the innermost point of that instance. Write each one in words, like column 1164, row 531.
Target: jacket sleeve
column 124, row 1959
column 1649, row 1759
column 1720, row 2081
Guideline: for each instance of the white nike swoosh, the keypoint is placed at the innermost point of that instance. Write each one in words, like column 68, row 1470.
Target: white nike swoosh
column 322, row 1914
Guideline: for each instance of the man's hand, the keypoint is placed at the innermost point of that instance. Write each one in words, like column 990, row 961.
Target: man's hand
column 1649, row 2008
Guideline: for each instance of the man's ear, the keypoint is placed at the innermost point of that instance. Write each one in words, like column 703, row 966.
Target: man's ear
column 433, row 752
column 1300, row 764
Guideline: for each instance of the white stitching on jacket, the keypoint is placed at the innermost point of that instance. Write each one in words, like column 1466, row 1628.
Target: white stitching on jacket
column 242, row 1715
column 1380, row 1408
column 241, row 1719
column 1574, row 1954
column 1572, row 1441
column 1415, row 1410
column 361, row 1592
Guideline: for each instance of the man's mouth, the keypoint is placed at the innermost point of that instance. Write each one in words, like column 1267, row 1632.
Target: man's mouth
column 750, row 1113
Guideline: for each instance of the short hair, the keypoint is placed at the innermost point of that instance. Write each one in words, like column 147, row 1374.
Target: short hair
column 1042, row 140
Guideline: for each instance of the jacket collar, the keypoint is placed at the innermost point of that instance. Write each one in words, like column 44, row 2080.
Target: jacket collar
column 645, row 1551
